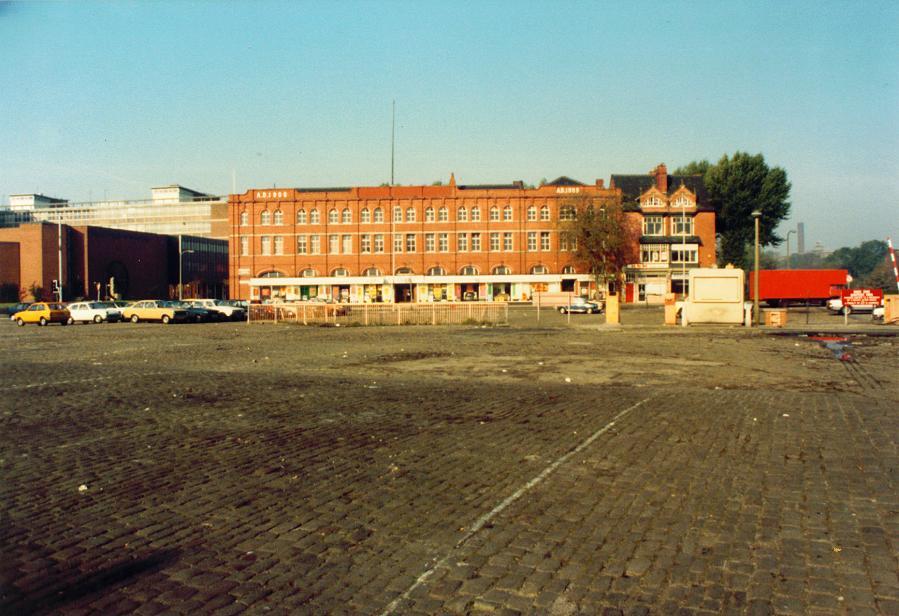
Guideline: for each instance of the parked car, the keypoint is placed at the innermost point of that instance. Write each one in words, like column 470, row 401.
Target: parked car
column 42, row 313
column 98, row 312
column 580, row 305
column 12, row 310
column 154, row 310
column 220, row 306
column 197, row 314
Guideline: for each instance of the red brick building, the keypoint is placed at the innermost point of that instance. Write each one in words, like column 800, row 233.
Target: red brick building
column 433, row 243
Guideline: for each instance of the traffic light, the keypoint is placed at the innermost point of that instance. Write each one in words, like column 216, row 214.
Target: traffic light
column 55, row 285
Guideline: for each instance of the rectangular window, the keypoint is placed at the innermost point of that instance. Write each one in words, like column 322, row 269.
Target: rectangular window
column 532, row 241
column 563, row 241
column 244, row 245
column 429, row 242
column 333, row 244
column 302, row 245
column 266, row 245
column 494, row 213
column 544, row 240
column 532, row 213
column 410, row 242
column 443, row 240
column 347, row 241
column 475, row 242
column 397, row 243
column 379, row 242
column 397, row 214
column 654, row 253
column 494, row 242
column 507, row 242
column 653, row 225
column 429, row 215
column 279, row 245
column 315, row 244
column 365, row 244
column 462, row 242
column 679, row 254
column 443, row 214
column 681, row 225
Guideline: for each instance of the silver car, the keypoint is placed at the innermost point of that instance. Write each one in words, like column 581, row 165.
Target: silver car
column 97, row 312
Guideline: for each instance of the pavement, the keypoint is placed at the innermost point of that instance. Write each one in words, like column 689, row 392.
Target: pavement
column 529, row 469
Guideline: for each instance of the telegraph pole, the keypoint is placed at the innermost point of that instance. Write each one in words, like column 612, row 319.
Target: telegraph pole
column 392, row 140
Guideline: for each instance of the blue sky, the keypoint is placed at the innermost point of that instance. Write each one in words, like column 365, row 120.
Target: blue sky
column 113, row 98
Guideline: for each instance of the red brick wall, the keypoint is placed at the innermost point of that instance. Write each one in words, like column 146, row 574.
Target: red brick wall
column 9, row 263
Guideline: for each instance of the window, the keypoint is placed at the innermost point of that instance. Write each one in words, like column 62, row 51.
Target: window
column 403, row 270
column 333, row 244
column 372, row 271
column 315, row 244
column 347, row 241
column 379, row 215
column 410, row 214
column 279, row 244
column 443, row 242
column 461, row 214
column 507, row 213
column 682, row 202
column 279, row 217
column 346, row 216
column 501, row 270
column 244, row 219
column 494, row 242
column 397, row 243
column 379, row 242
column 301, row 217
column 539, row 269
column 410, row 242
column 302, row 246
column 308, row 273
column 462, row 242
column 314, row 217
column 652, row 202
column 265, row 218
column 365, row 244
column 340, row 272
column 569, row 269
column 653, row 225
column 679, row 254
column 564, row 240
column 654, row 253
column 544, row 213
column 681, row 225
column 397, row 214
column 544, row 240
column 532, row 213
column 365, row 215
column 475, row 242
column 266, row 245
column 475, row 214
column 567, row 212
column 443, row 214
column 469, row 270
column 429, row 214
column 532, row 241
column 507, row 242
column 436, row 271
column 244, row 245
column 429, row 242
column 332, row 216
column 494, row 213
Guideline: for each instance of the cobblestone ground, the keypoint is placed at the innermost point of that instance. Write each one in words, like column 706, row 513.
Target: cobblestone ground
column 537, row 470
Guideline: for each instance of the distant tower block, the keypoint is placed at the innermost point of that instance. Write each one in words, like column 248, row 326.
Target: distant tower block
column 800, row 238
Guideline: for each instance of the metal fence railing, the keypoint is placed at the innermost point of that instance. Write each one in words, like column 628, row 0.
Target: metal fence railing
column 315, row 313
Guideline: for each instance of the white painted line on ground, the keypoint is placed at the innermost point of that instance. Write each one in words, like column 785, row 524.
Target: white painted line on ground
column 90, row 379
column 484, row 519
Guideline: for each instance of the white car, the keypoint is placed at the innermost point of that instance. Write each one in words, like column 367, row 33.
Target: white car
column 98, row 312
column 835, row 305
column 220, row 306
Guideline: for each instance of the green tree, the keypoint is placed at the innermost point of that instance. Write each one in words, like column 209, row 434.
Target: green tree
column 738, row 185
column 882, row 277
column 861, row 260
column 600, row 234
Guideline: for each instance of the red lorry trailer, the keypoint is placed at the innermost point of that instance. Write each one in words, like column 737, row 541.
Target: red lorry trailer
column 781, row 287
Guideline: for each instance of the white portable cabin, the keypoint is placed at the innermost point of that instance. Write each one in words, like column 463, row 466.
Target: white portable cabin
column 716, row 296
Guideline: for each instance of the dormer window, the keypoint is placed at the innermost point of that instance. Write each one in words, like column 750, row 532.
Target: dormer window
column 682, row 202
column 653, row 202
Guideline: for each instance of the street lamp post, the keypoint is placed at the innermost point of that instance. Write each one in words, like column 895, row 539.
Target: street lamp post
column 756, row 214
column 788, row 246
column 181, row 254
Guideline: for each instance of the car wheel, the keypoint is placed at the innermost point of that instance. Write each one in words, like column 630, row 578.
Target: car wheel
column 43, row 322
column 134, row 318
column 20, row 322
column 561, row 310
column 98, row 319
column 165, row 319
column 70, row 321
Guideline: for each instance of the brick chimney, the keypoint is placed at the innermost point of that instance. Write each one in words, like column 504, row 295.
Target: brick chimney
column 600, row 183
column 661, row 173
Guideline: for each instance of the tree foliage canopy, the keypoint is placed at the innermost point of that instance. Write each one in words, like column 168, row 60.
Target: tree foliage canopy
column 860, row 261
column 737, row 185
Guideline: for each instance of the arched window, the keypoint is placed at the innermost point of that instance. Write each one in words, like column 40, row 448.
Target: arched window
column 532, row 213
column 314, row 217
column 279, row 217
column 507, row 213
column 443, row 214
column 539, row 269
column 346, row 216
column 567, row 212
column 340, row 272
column 494, row 213
column 301, row 217
column 365, row 215
column 544, row 213
column 475, row 214
column 265, row 218
column 379, row 215
column 410, row 214
column 332, row 216
column 371, row 272
column 462, row 214
column 244, row 219
column 569, row 269
column 402, row 271
column 397, row 214
column 436, row 271
column 308, row 273
column 501, row 270
column 271, row 274
column 429, row 214
column 469, row 270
